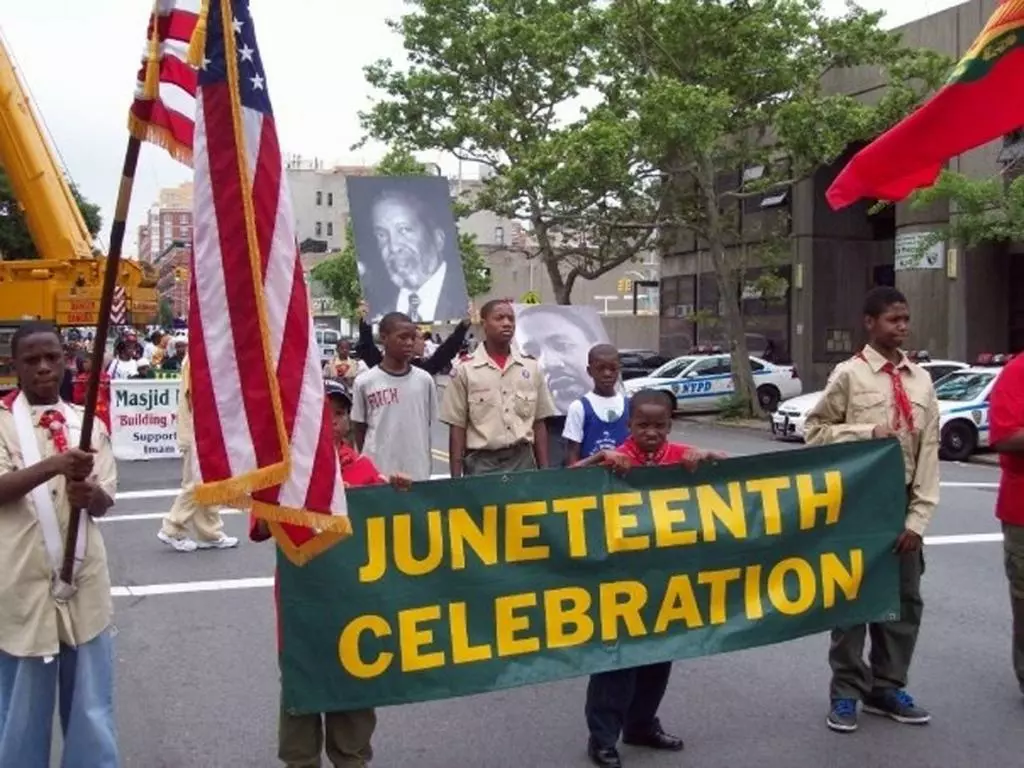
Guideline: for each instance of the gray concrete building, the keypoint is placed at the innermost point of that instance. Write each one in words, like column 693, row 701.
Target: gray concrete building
column 962, row 303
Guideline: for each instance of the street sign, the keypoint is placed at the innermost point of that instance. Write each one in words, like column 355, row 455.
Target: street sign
column 530, row 297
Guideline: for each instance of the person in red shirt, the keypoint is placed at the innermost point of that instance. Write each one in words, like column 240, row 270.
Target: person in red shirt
column 81, row 385
column 626, row 701
column 1006, row 423
column 301, row 738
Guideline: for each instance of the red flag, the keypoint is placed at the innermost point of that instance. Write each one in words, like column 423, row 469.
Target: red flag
column 979, row 102
column 164, row 107
column 263, row 428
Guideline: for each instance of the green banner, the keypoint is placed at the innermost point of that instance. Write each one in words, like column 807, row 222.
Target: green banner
column 463, row 586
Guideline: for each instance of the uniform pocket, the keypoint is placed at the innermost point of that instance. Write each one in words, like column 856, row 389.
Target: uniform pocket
column 920, row 406
column 481, row 403
column 525, row 404
column 868, row 407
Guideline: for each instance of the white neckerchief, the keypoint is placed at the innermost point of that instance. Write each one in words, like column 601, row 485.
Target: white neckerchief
column 429, row 294
column 46, row 513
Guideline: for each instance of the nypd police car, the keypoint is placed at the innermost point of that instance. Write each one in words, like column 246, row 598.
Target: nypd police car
column 789, row 420
column 963, row 407
column 699, row 382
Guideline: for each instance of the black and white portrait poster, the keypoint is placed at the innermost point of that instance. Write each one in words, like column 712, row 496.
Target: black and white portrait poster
column 407, row 247
column 560, row 338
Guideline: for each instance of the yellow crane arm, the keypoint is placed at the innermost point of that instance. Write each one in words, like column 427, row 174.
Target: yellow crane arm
column 51, row 213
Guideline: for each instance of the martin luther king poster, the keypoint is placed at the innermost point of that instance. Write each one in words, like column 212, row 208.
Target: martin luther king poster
column 407, row 247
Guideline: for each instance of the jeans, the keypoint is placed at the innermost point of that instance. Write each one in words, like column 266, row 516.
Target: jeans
column 625, row 701
column 29, row 687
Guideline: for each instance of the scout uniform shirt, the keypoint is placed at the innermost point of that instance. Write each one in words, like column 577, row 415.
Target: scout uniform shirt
column 861, row 394
column 185, row 427
column 497, row 407
column 32, row 623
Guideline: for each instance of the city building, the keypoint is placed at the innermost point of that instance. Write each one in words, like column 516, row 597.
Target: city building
column 962, row 303
column 165, row 242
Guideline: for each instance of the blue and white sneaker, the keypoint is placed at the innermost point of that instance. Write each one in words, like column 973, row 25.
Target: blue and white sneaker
column 843, row 716
column 898, row 705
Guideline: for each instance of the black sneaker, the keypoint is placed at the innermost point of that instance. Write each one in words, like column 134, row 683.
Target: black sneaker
column 843, row 716
column 604, row 757
column 898, row 705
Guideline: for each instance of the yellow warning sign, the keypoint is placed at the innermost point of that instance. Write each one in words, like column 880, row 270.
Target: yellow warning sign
column 530, row 297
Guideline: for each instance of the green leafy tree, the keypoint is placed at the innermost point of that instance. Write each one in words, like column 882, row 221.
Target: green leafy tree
column 499, row 83
column 989, row 210
column 15, row 240
column 339, row 274
column 738, row 112
column 165, row 313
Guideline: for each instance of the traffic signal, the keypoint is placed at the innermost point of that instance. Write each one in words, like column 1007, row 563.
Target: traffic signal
column 625, row 285
column 180, row 274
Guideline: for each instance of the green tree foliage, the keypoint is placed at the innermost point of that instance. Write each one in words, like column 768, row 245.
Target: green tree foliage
column 15, row 240
column 165, row 313
column 983, row 210
column 739, row 111
column 339, row 275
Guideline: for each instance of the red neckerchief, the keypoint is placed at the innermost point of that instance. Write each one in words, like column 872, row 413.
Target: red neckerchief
column 903, row 409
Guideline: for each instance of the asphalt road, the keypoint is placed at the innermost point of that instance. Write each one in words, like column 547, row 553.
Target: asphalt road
column 198, row 685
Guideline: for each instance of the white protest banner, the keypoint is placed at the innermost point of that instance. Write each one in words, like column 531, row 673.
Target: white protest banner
column 144, row 418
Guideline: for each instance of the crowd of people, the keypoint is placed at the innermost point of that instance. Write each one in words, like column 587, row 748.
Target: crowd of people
column 496, row 407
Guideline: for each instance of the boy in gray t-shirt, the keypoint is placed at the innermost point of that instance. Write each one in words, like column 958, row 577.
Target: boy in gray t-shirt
column 394, row 405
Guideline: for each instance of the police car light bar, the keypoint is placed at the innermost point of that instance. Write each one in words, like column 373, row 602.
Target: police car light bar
column 919, row 356
column 706, row 349
column 988, row 359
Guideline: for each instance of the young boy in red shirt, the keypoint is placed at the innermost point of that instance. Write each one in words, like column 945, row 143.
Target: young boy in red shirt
column 626, row 701
column 301, row 738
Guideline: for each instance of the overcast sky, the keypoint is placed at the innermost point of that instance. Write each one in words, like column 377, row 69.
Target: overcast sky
column 80, row 59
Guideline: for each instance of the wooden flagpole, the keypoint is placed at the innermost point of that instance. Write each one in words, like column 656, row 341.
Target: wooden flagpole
column 124, row 196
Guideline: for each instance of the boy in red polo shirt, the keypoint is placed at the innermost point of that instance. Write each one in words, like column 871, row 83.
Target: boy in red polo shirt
column 626, row 701
column 1006, row 420
column 301, row 738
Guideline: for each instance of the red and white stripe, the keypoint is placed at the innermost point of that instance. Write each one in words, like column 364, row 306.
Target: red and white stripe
column 168, row 119
column 233, row 391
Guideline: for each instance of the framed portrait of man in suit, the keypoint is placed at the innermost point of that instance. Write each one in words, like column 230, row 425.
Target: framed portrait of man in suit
column 407, row 247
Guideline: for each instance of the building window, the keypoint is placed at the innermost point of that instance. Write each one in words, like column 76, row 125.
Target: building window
column 330, row 198
column 319, row 199
column 318, row 228
column 499, row 235
column 330, row 225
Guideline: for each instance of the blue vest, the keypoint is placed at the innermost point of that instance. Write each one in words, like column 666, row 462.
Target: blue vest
column 600, row 435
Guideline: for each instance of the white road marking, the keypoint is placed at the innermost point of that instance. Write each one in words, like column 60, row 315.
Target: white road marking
column 265, row 582
column 167, row 493
column 969, row 485
column 964, row 538
column 223, row 585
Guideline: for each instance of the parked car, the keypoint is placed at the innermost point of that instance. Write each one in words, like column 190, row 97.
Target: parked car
column 639, row 362
column 700, row 382
column 963, row 407
column 788, row 421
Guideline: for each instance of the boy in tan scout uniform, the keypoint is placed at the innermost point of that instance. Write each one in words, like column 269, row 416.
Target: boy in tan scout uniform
column 496, row 404
column 880, row 393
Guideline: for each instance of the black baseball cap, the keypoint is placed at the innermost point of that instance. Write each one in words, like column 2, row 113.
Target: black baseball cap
column 335, row 388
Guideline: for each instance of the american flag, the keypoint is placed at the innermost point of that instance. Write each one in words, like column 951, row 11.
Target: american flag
column 262, row 426
column 164, row 107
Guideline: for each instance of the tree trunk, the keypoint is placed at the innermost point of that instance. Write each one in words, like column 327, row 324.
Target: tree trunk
column 729, row 295
column 744, row 388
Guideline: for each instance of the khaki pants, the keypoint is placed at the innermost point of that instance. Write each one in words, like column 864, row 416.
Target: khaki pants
column 206, row 521
column 892, row 642
column 301, row 738
column 515, row 458
column 1013, row 550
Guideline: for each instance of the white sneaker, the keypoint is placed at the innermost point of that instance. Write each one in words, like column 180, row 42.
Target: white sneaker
column 224, row 542
column 181, row 545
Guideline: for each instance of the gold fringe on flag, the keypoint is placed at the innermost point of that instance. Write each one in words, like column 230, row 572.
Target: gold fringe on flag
column 197, row 44
column 155, row 134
